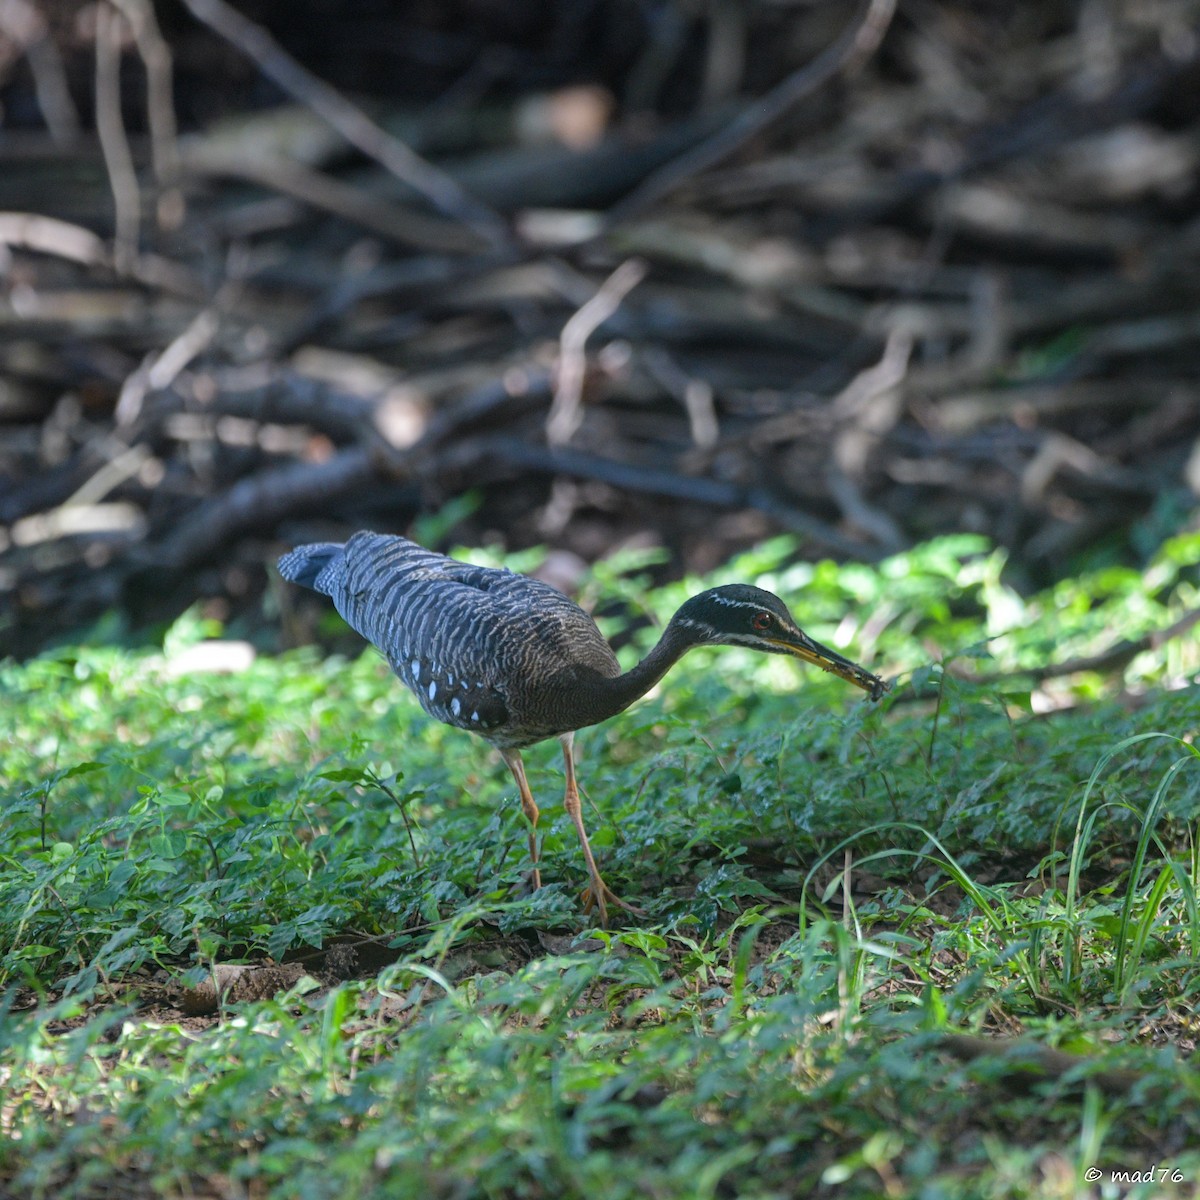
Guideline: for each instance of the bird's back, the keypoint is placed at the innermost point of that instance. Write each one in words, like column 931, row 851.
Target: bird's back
column 484, row 649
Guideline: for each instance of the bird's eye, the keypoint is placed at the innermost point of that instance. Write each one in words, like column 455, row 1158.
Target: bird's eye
column 761, row 621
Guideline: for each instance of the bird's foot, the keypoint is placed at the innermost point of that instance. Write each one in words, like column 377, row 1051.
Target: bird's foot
column 599, row 895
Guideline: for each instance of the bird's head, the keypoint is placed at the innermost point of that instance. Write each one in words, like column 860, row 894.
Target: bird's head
column 741, row 615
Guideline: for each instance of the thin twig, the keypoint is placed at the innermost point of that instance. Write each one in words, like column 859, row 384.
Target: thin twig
column 114, row 144
column 696, row 395
column 403, row 807
column 848, row 53
column 48, row 235
column 160, row 108
column 566, row 412
column 121, row 463
column 397, row 223
column 162, row 369
column 27, row 28
column 350, row 121
column 937, row 716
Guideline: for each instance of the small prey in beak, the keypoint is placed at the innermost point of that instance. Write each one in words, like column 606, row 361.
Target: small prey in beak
column 800, row 645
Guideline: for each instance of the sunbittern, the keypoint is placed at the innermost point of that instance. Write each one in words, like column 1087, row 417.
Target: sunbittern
column 513, row 660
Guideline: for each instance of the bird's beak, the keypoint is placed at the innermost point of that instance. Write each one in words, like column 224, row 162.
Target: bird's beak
column 800, row 645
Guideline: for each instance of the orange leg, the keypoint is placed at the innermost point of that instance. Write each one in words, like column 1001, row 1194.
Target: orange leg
column 517, row 767
column 598, row 892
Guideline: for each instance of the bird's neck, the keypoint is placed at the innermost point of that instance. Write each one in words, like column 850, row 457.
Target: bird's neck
column 616, row 694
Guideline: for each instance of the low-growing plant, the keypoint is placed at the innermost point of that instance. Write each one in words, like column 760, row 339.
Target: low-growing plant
column 838, row 894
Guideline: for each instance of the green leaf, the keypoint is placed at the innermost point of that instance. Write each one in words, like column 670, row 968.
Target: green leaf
column 83, row 768
column 346, row 775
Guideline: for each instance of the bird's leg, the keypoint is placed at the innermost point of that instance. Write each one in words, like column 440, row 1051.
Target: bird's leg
column 598, row 892
column 517, row 767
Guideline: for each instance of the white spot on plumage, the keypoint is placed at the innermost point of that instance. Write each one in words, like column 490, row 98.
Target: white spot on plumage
column 475, row 716
column 455, row 706
column 416, row 669
column 432, row 688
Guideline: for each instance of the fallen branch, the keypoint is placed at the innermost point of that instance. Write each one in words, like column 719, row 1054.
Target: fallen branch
column 350, row 121
column 852, row 49
column 699, row 490
column 259, row 502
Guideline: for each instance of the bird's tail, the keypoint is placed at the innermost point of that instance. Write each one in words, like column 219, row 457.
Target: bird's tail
column 305, row 564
